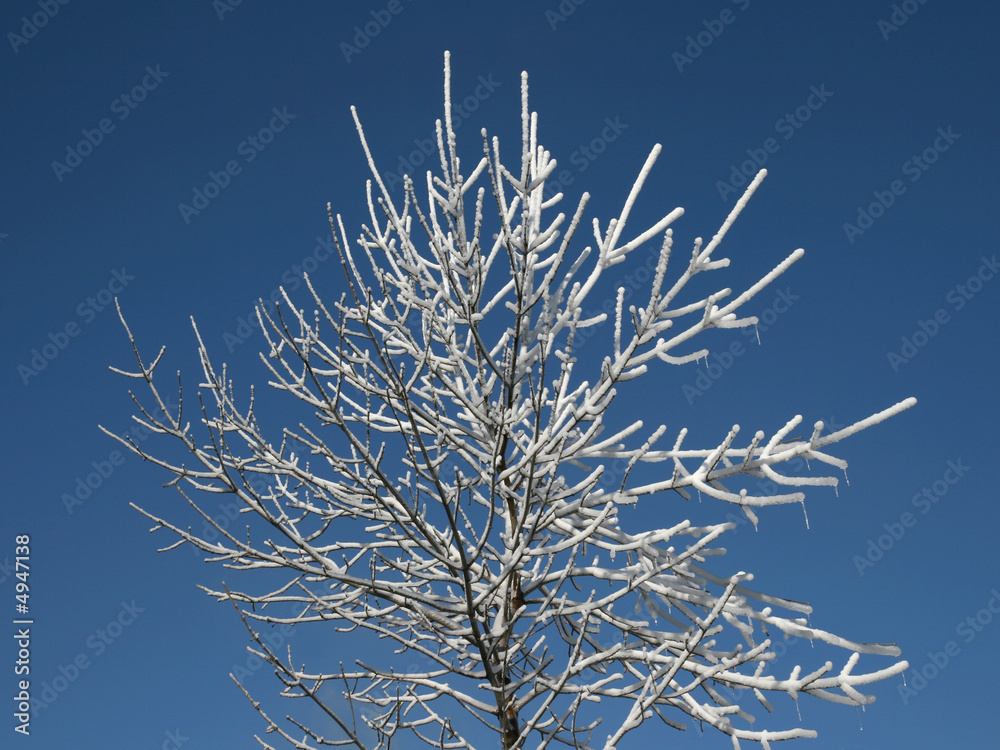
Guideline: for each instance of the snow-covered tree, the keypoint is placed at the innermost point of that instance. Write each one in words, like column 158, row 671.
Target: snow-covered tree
column 448, row 490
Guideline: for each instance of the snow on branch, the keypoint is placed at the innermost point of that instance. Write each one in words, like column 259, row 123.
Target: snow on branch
column 440, row 486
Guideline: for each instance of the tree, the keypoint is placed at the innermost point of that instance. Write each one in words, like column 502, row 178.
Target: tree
column 450, row 491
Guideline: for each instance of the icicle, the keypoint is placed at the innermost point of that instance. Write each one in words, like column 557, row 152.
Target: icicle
column 805, row 514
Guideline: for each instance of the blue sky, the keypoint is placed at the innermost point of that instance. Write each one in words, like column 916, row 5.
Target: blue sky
column 877, row 123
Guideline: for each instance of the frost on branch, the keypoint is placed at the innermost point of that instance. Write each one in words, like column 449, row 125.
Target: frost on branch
column 444, row 492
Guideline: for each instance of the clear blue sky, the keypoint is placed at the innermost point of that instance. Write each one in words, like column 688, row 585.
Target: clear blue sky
column 846, row 112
